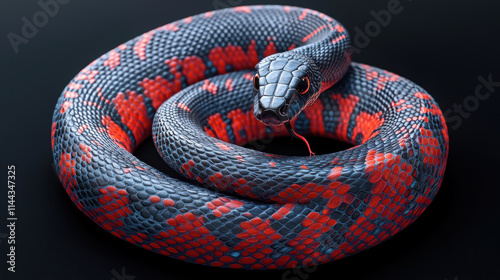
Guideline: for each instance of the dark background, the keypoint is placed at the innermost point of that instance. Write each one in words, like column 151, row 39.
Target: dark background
column 442, row 45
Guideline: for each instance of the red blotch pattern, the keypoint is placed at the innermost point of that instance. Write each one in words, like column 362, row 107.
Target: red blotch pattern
column 270, row 49
column 188, row 237
column 243, row 9
column 193, row 68
column 113, row 59
column 160, row 89
column 339, row 28
column 113, row 208
column 391, row 194
column 74, row 86
column 52, row 134
column 234, row 56
column 183, row 106
column 245, row 126
column 229, row 84
column 383, row 79
column 223, row 205
column 297, row 193
column 67, row 174
column 169, row 27
column 365, row 125
column 186, row 169
column 130, row 106
column 140, row 45
column 283, row 211
column 223, row 146
column 87, row 75
column 304, row 245
column 82, row 128
column 304, row 14
column 70, row 94
column 65, row 106
column 217, row 126
column 116, row 133
column 210, row 87
column 257, row 237
column 312, row 34
column 87, row 155
column 422, row 95
column 314, row 114
column 429, row 147
column 169, row 202
column 338, row 39
column 346, row 107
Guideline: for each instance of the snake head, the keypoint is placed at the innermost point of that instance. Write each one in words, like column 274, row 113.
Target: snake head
column 286, row 84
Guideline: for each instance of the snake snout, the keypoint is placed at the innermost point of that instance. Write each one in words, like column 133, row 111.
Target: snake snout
column 275, row 115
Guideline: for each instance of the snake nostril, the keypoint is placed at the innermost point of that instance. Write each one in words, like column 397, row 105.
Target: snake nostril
column 258, row 114
column 283, row 110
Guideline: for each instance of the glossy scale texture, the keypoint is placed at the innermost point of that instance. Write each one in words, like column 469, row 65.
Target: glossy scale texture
column 241, row 208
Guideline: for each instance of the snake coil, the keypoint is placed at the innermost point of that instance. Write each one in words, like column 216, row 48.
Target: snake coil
column 242, row 208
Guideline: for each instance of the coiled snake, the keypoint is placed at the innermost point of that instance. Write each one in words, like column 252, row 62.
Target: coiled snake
column 242, row 208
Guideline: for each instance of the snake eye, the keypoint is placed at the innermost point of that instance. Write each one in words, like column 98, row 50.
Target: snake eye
column 303, row 85
column 256, row 84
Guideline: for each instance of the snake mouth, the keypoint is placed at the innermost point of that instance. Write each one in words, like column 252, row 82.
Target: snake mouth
column 278, row 116
column 272, row 117
column 272, row 113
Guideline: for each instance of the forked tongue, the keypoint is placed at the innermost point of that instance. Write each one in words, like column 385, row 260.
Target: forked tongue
column 297, row 136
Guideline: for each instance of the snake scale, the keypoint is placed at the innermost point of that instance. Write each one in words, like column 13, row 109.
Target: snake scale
column 204, row 86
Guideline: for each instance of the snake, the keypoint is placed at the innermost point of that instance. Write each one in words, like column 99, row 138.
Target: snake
column 205, row 86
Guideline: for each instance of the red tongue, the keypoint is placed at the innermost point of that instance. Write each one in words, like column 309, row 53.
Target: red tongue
column 300, row 137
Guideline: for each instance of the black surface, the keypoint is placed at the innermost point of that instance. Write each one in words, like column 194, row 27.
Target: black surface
column 442, row 45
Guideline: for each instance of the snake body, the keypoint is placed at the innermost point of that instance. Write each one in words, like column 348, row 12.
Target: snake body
column 241, row 208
